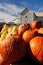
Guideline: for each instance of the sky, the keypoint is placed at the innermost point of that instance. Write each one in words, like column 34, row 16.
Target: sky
column 10, row 9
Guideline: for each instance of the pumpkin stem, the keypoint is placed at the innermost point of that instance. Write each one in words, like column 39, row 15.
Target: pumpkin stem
column 40, row 34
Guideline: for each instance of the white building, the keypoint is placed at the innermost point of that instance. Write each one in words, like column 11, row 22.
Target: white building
column 29, row 16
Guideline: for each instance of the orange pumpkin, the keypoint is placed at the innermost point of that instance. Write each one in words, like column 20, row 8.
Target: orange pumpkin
column 35, row 30
column 22, row 28
column 12, row 50
column 36, row 46
column 36, row 24
column 40, row 30
column 28, row 26
column 28, row 35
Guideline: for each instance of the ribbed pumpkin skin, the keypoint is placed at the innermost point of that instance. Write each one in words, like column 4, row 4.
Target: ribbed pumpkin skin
column 22, row 28
column 40, row 30
column 36, row 24
column 12, row 50
column 36, row 46
column 28, row 35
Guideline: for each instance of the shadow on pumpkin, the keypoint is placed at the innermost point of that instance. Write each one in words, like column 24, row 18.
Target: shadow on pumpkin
column 29, row 59
column 34, row 60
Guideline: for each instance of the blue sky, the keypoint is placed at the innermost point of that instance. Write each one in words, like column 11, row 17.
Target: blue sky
column 9, row 9
column 31, row 4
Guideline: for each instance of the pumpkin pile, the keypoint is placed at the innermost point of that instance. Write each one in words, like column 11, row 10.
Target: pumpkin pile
column 12, row 50
column 13, row 41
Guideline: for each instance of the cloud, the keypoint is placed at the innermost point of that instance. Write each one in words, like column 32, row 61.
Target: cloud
column 9, row 11
column 5, row 17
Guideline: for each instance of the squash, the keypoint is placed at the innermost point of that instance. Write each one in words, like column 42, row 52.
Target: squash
column 12, row 50
column 14, row 30
column 5, row 28
column 28, row 26
column 36, row 24
column 40, row 30
column 28, row 35
column 9, row 32
column 36, row 49
column 22, row 28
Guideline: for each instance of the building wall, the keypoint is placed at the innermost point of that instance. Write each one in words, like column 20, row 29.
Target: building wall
column 27, row 17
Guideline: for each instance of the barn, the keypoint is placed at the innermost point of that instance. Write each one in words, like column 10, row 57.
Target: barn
column 29, row 16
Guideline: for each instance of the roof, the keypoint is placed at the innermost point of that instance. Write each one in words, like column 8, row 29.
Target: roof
column 40, row 14
column 24, row 11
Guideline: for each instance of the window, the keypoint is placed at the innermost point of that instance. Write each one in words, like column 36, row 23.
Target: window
column 26, row 16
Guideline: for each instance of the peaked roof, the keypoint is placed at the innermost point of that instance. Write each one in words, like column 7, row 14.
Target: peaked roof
column 40, row 14
column 24, row 11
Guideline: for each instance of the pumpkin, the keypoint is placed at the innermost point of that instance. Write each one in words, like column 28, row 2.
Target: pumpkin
column 28, row 35
column 12, row 50
column 22, row 28
column 35, row 30
column 36, row 24
column 40, row 30
column 28, row 26
column 36, row 46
